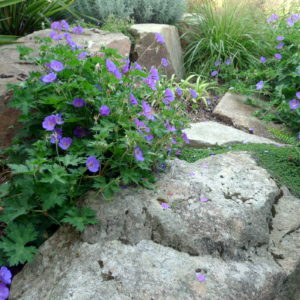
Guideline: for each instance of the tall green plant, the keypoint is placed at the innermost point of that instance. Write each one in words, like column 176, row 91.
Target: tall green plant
column 19, row 17
column 236, row 30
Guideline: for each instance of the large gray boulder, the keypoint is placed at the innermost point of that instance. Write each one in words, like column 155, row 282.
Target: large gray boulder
column 233, row 110
column 148, row 52
column 220, row 223
column 14, row 70
column 207, row 134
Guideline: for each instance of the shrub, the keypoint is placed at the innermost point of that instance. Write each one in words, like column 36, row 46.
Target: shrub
column 87, row 123
column 141, row 11
column 235, row 31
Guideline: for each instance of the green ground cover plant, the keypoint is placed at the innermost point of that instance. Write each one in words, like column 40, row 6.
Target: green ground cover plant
column 283, row 163
column 89, row 121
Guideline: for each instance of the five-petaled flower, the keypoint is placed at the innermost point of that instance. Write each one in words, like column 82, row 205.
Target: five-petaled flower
column 65, row 143
column 56, row 65
column 193, row 93
column 49, row 77
column 278, row 56
column 169, row 97
column 164, row 62
column 294, row 104
column 78, row 102
column 262, row 59
column 93, row 164
column 138, row 153
column 200, row 277
column 159, row 38
column 179, row 91
column 214, row 73
column 104, row 110
column 260, row 85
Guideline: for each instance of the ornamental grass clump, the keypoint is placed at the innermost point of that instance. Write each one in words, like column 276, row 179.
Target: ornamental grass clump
column 88, row 122
column 232, row 33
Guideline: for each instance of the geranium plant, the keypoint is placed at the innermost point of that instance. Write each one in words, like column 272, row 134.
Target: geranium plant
column 87, row 123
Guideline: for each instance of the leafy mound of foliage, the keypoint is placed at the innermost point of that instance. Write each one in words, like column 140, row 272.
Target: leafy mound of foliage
column 92, row 121
column 141, row 11
column 275, row 77
column 234, row 32
column 283, row 163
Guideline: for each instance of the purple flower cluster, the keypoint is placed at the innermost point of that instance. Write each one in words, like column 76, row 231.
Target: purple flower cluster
column 169, row 97
column 5, row 278
column 50, row 122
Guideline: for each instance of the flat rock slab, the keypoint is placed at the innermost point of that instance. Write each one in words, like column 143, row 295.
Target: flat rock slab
column 219, row 224
column 233, row 110
column 149, row 53
column 207, row 134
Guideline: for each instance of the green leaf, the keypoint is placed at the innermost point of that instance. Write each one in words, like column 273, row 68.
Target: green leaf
column 18, row 169
column 15, row 241
column 4, row 189
column 80, row 218
column 71, row 160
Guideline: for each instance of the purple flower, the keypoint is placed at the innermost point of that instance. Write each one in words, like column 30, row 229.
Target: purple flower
column 78, row 102
column 280, row 38
column 65, row 143
column 203, row 199
column 70, row 42
column 112, row 68
column 295, row 17
column 82, row 55
column 164, row 62
column 65, row 25
column 141, row 125
column 262, row 59
column 193, row 93
column 278, row 56
column 169, row 97
column 49, row 123
column 77, row 30
column 58, row 119
column 126, row 67
column 280, row 46
column 298, row 95
column 56, row 135
column 259, row 85
column 49, row 77
column 151, row 83
column 5, row 275
column 138, row 153
column 55, row 36
column 149, row 137
column 159, row 38
column 165, row 205
column 251, row 130
column 80, row 132
column 154, row 74
column 137, row 66
column 179, row 91
column 93, row 164
column 294, row 104
column 56, row 65
column 147, row 111
column 217, row 63
column 133, row 100
column 174, row 142
column 228, row 61
column 169, row 127
column 290, row 22
column 56, row 26
column 273, row 18
column 4, row 291
column 185, row 138
column 200, row 277
column 104, row 110
column 214, row 73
